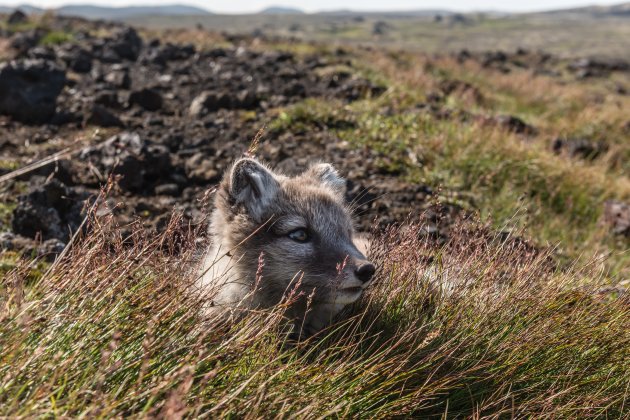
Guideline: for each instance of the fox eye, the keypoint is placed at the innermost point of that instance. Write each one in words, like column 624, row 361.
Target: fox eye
column 299, row 235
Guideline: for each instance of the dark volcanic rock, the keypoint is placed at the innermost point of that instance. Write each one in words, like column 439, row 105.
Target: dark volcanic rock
column 163, row 54
column 42, row 52
column 140, row 163
column 380, row 27
column 182, row 108
column 580, row 147
column 149, row 99
column 588, row 67
column 493, row 57
column 29, row 89
column 245, row 99
column 119, row 77
column 100, row 116
column 51, row 210
column 201, row 169
column 515, row 124
column 357, row 88
column 126, row 44
column 210, row 101
column 16, row 17
column 206, row 102
column 108, row 98
column 76, row 58
column 51, row 248
column 48, row 249
column 167, row 189
column 22, row 42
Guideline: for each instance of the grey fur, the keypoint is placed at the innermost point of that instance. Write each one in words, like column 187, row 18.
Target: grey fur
column 255, row 211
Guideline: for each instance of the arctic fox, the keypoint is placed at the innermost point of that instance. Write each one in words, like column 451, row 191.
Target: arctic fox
column 273, row 236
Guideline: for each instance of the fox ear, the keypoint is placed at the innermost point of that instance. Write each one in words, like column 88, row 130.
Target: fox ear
column 253, row 186
column 327, row 175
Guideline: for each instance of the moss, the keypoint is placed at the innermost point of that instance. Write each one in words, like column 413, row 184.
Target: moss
column 8, row 165
column 10, row 260
column 6, row 213
column 55, row 38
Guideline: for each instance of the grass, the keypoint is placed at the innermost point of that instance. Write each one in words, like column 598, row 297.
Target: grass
column 44, row 23
column 482, row 326
column 113, row 330
column 562, row 34
column 514, row 180
column 55, row 38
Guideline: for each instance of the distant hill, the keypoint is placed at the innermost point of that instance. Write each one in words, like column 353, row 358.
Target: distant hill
column 114, row 13
column 98, row 12
column 119, row 13
column 281, row 10
column 622, row 10
column 26, row 8
column 406, row 13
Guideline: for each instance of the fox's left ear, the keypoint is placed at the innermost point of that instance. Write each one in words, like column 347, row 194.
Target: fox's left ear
column 252, row 186
column 328, row 176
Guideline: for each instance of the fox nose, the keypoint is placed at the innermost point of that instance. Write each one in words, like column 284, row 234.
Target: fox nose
column 365, row 271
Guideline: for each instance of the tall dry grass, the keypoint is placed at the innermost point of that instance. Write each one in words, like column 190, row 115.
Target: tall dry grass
column 485, row 325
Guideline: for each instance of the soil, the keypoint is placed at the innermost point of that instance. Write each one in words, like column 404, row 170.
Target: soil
column 166, row 121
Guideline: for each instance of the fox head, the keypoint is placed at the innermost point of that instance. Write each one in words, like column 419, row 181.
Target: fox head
column 301, row 229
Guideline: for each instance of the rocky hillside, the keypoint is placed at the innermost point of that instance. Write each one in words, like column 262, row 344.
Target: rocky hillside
column 502, row 294
column 166, row 112
column 167, row 119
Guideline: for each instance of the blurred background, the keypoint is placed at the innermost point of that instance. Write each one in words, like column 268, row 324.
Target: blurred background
column 514, row 113
column 561, row 26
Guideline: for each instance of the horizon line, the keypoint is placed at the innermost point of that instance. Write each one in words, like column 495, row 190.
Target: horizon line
column 298, row 10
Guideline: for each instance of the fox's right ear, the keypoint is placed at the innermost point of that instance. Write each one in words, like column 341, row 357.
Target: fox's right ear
column 253, row 186
column 328, row 176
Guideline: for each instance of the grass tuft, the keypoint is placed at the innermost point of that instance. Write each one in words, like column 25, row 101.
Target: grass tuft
column 483, row 325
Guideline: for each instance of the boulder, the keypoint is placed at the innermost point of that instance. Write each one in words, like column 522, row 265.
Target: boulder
column 139, row 162
column 149, row 99
column 100, row 116
column 118, row 77
column 125, row 44
column 589, row 67
column 29, row 89
column 580, row 147
column 514, row 124
column 76, row 58
column 42, row 52
column 199, row 168
column 107, row 98
column 17, row 17
column 208, row 101
column 163, row 54
column 51, row 210
column 23, row 42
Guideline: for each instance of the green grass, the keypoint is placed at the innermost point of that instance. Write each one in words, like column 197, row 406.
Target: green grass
column 55, row 38
column 6, row 211
column 560, row 34
column 515, row 181
column 113, row 331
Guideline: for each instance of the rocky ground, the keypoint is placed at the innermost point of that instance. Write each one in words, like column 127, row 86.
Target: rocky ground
column 166, row 120
column 177, row 118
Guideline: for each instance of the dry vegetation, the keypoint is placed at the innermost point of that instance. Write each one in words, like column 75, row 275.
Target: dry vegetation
column 486, row 325
column 113, row 330
column 563, row 34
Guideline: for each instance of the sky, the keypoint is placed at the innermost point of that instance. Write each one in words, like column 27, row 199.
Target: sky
column 244, row 6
